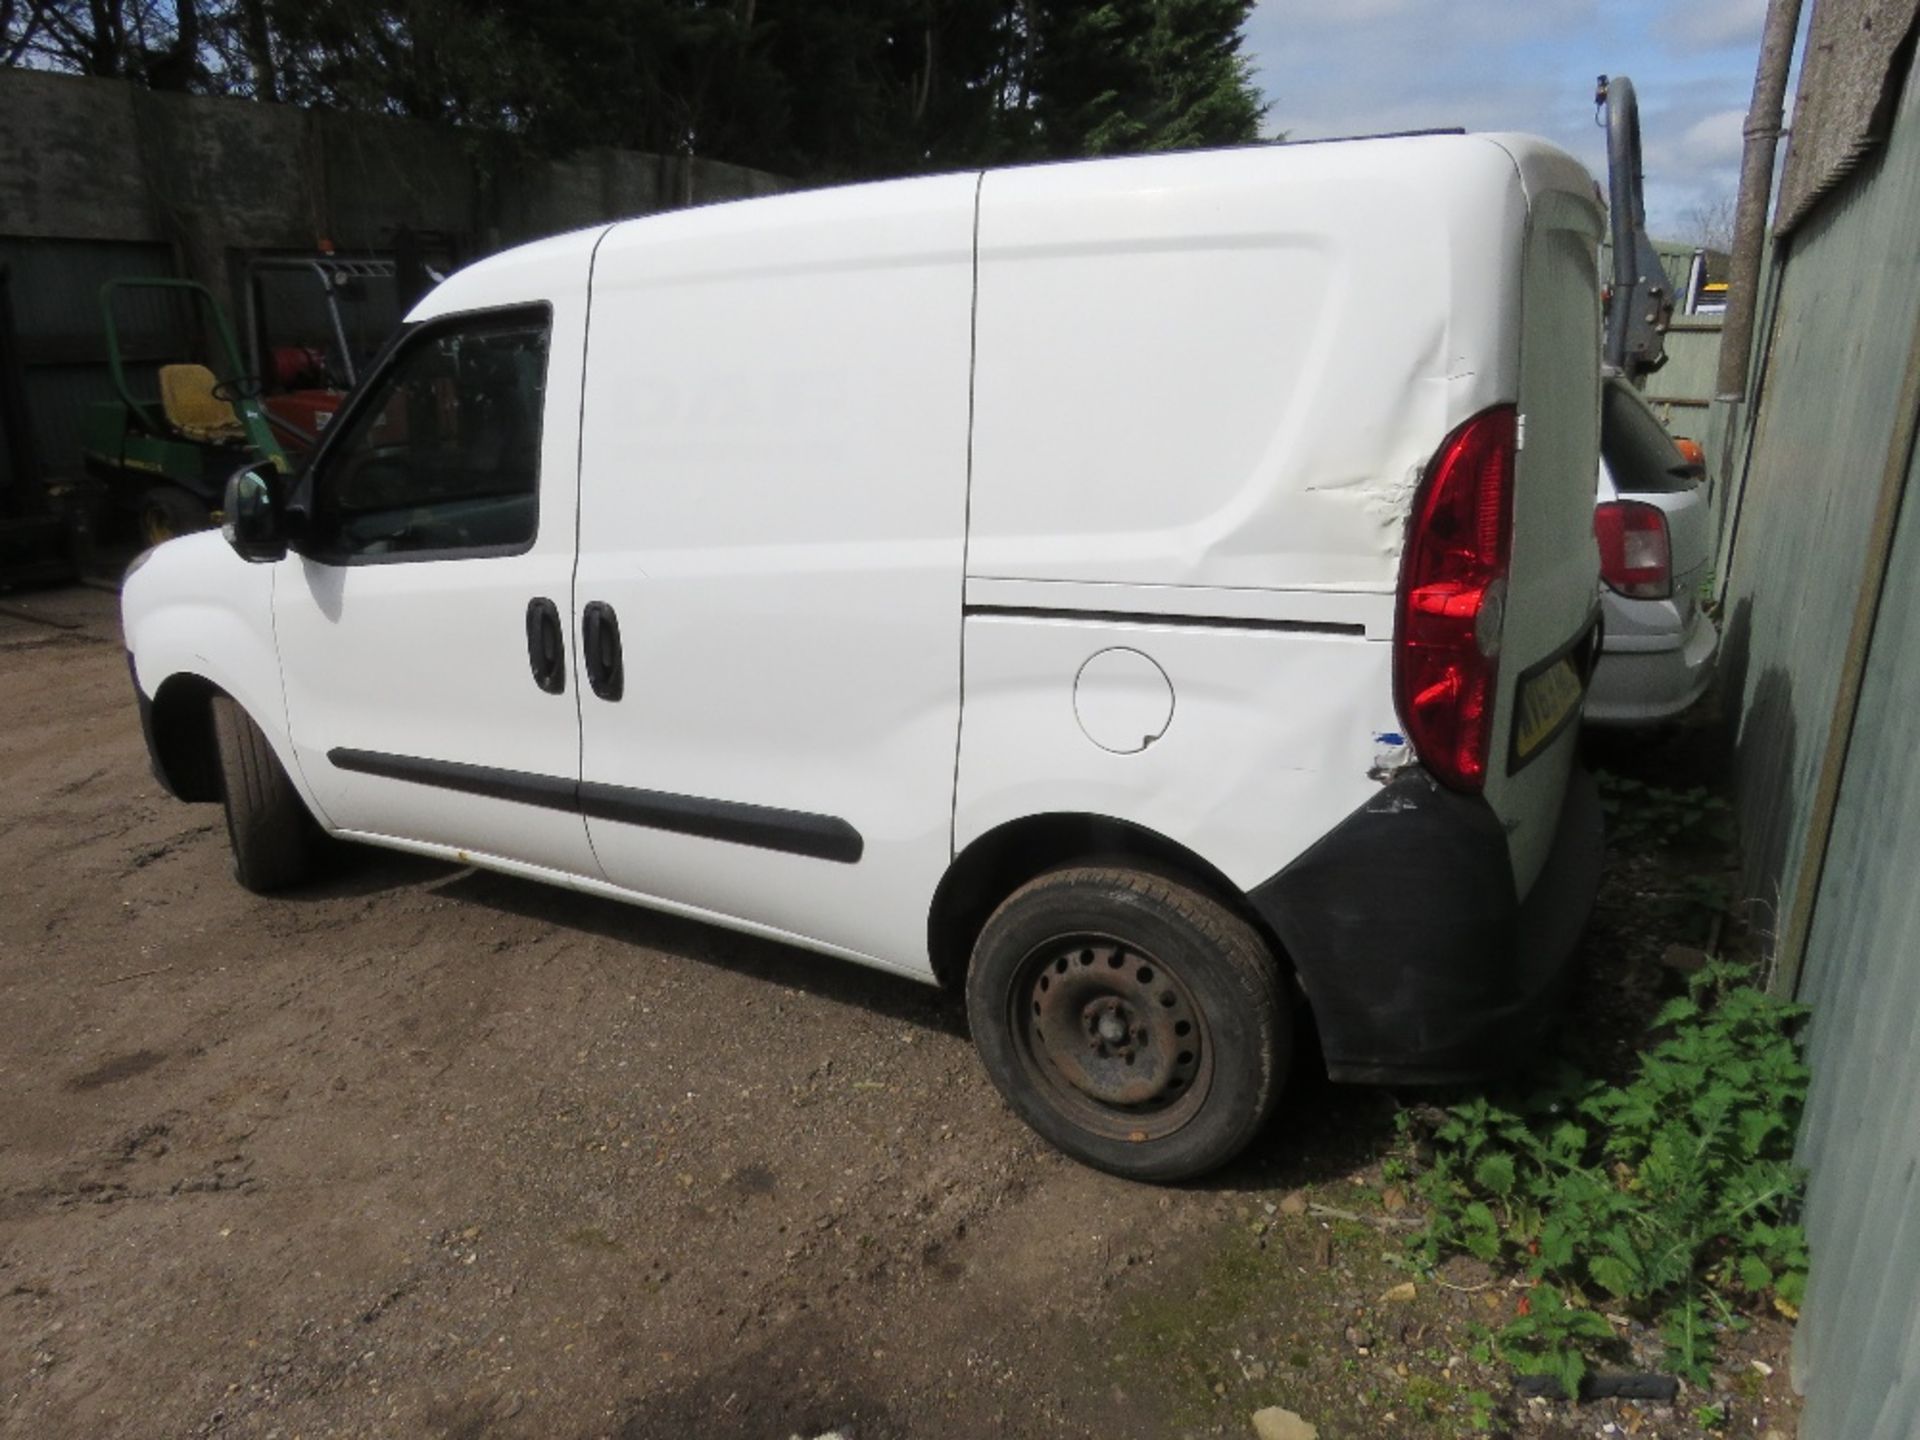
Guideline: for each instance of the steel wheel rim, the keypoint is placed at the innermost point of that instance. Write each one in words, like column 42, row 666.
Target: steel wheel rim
column 1112, row 1035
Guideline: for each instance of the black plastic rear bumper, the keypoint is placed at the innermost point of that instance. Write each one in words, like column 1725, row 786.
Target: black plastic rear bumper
column 1420, row 962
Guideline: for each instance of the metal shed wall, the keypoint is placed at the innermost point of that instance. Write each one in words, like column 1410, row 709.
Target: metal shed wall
column 1823, row 597
column 1858, row 1352
column 1842, row 327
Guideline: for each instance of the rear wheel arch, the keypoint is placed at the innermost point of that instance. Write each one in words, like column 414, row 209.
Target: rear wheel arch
column 996, row 864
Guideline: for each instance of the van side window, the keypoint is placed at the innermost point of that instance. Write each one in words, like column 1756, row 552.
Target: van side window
column 442, row 458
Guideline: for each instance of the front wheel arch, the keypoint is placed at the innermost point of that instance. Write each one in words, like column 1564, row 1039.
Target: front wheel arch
column 184, row 752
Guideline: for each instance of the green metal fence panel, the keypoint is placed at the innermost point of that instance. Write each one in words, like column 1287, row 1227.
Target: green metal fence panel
column 1681, row 390
column 1848, row 304
column 1858, row 1351
column 1825, row 423
column 1729, row 441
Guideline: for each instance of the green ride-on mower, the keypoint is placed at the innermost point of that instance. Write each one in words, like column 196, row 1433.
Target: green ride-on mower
column 169, row 457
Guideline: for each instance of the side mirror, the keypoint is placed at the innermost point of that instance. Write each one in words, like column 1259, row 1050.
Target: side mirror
column 254, row 525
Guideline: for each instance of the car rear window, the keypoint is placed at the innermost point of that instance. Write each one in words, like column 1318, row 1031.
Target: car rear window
column 1639, row 452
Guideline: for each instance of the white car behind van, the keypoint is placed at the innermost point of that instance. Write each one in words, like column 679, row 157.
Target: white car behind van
column 1152, row 595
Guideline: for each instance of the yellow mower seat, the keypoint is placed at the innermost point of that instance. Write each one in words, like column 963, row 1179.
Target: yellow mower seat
column 191, row 407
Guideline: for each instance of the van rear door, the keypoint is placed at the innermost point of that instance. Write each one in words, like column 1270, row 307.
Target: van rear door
column 1553, row 581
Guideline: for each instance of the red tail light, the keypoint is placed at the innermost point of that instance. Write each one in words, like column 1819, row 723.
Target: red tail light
column 1453, row 590
column 1636, row 555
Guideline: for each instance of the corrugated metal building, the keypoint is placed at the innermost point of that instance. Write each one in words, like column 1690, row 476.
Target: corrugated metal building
column 1822, row 574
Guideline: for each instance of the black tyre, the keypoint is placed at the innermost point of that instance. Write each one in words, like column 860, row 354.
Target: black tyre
column 275, row 841
column 1137, row 1024
column 167, row 511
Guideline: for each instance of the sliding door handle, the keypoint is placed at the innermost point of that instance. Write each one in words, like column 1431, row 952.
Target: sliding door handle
column 600, row 647
column 546, row 645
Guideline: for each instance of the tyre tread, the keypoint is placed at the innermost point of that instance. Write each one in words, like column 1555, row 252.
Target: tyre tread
column 272, row 835
column 1250, row 966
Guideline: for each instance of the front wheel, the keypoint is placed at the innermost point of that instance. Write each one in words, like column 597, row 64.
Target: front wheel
column 275, row 841
column 1137, row 1024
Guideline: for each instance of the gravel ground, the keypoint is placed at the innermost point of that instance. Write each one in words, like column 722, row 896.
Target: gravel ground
column 421, row 1151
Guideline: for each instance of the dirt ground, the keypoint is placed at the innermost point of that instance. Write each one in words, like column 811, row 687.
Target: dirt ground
column 422, row 1151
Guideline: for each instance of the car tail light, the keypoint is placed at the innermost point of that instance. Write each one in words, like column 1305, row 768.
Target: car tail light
column 1636, row 556
column 1453, row 589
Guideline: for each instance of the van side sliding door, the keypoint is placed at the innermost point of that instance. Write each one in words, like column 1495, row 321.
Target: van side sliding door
column 773, row 503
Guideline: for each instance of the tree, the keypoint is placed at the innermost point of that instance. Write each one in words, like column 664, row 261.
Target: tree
column 817, row 89
column 1709, row 224
column 1125, row 76
column 158, row 43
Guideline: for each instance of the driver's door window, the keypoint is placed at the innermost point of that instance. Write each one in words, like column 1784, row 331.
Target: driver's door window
column 442, row 458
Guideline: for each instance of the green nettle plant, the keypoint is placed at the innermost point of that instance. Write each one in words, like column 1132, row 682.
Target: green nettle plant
column 1673, row 1197
column 1639, row 814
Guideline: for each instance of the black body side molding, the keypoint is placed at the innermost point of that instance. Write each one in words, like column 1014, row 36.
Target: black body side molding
column 822, row 837
column 549, row 792
column 792, row 832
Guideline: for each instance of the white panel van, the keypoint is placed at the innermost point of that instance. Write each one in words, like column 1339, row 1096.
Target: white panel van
column 1152, row 596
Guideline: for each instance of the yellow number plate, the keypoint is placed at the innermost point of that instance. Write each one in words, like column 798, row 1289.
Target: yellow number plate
column 1545, row 703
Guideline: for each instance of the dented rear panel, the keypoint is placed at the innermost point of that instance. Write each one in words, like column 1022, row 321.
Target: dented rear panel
column 1227, row 371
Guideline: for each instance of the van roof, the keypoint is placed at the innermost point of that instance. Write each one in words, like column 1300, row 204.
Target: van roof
column 547, row 268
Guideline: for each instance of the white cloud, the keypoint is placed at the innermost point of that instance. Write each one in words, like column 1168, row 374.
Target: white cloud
column 1713, row 23
column 1368, row 66
column 1712, row 140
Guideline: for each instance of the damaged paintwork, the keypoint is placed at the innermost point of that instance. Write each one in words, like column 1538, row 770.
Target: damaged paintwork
column 1392, row 753
column 1360, row 306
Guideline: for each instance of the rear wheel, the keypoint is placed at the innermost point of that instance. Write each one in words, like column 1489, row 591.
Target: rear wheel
column 275, row 841
column 1137, row 1024
column 167, row 511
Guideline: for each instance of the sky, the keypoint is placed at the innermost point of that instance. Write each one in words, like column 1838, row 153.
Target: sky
column 1351, row 67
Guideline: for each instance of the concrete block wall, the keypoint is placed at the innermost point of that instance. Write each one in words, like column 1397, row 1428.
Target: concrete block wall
column 84, row 159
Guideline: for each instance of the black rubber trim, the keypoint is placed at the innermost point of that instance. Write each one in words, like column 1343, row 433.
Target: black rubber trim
column 1418, row 958
column 549, row 792
column 792, row 832
column 821, row 837
column 1370, row 135
column 1131, row 617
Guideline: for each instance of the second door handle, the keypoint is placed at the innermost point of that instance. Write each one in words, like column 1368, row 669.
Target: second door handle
column 600, row 646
